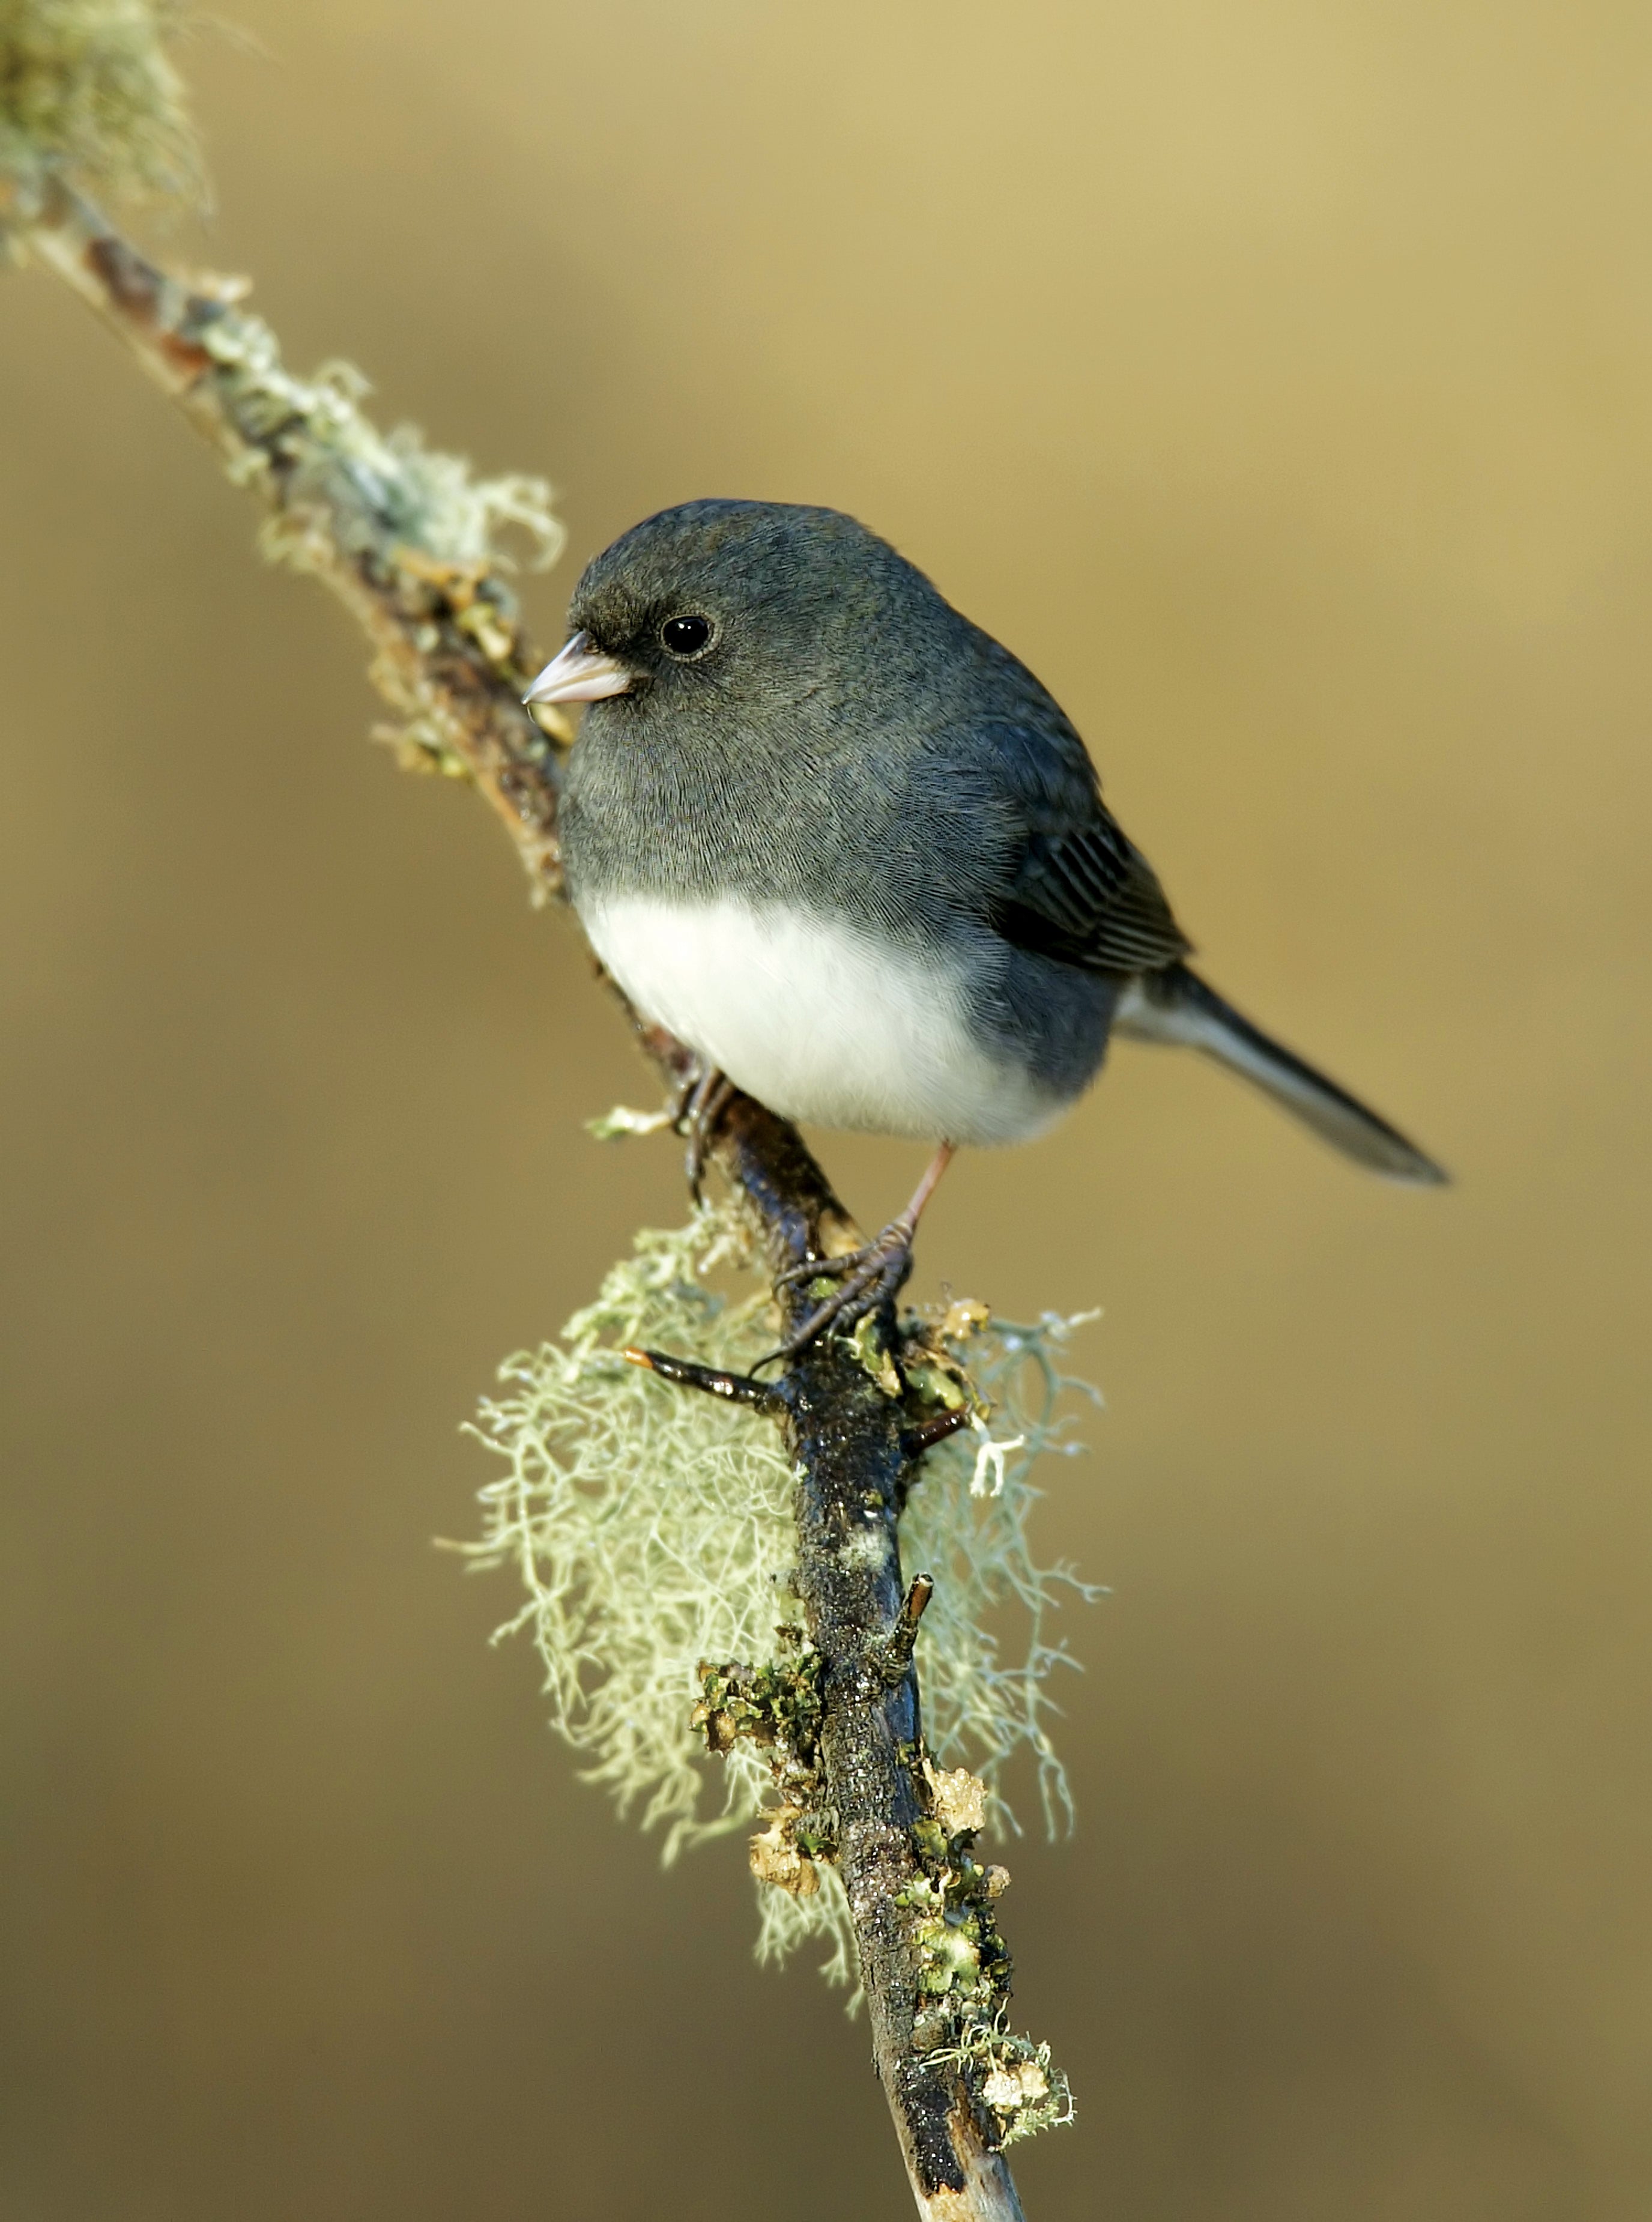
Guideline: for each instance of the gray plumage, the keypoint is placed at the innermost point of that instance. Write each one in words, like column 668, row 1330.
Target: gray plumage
column 851, row 849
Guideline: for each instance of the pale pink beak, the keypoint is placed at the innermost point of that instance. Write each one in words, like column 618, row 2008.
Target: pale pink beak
column 579, row 674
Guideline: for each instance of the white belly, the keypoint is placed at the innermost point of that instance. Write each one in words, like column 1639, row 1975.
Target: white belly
column 808, row 1016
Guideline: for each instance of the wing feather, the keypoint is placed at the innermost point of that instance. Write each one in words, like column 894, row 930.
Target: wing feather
column 1084, row 894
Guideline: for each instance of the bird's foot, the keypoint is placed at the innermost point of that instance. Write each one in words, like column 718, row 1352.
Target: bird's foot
column 868, row 1276
column 701, row 1104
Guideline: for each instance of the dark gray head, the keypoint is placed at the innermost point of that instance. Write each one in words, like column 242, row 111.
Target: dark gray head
column 723, row 605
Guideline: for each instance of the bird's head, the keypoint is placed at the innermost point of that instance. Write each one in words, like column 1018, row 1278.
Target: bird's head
column 734, row 604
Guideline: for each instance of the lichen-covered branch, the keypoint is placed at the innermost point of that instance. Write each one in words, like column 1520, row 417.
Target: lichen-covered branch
column 404, row 537
column 409, row 542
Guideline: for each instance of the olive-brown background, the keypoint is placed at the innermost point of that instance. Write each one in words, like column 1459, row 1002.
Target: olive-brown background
column 1276, row 380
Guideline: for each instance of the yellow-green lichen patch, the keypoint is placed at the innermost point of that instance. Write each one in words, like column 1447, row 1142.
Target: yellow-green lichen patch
column 870, row 1346
column 87, row 93
column 961, row 2008
column 776, row 1709
column 963, row 1965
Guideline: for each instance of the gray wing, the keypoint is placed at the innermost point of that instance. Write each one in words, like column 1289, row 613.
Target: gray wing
column 1080, row 891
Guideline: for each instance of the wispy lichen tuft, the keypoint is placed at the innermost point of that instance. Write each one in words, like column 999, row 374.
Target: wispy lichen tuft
column 966, row 1524
column 653, row 1531
column 650, row 1530
column 87, row 93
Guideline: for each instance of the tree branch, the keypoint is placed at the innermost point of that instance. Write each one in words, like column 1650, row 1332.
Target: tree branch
column 405, row 539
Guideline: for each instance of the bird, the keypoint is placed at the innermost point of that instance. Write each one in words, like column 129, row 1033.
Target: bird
column 844, row 844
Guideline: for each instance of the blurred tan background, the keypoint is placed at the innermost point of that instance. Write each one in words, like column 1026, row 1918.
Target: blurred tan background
column 1276, row 380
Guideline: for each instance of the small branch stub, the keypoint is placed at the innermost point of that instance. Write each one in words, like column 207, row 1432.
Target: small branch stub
column 684, row 1373
column 902, row 1639
column 925, row 1436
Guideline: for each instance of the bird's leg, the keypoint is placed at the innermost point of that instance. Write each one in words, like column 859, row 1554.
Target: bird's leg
column 869, row 1276
column 698, row 1112
column 897, row 1234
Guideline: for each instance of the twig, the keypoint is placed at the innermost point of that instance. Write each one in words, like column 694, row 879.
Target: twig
column 367, row 516
column 902, row 1639
column 684, row 1373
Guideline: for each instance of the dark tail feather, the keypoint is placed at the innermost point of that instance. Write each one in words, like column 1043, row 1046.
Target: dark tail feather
column 1176, row 1006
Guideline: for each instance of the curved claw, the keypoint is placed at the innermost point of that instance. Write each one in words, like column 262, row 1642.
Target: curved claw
column 872, row 1276
column 698, row 1113
column 825, row 1269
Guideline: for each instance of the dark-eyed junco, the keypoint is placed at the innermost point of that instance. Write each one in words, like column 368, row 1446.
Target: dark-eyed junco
column 845, row 846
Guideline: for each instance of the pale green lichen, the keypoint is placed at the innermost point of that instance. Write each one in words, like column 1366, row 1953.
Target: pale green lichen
column 1012, row 2076
column 390, row 508
column 966, row 1525
column 87, row 93
column 652, row 1529
column 364, row 491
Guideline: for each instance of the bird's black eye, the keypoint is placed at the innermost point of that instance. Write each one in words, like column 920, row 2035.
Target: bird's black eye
column 684, row 638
